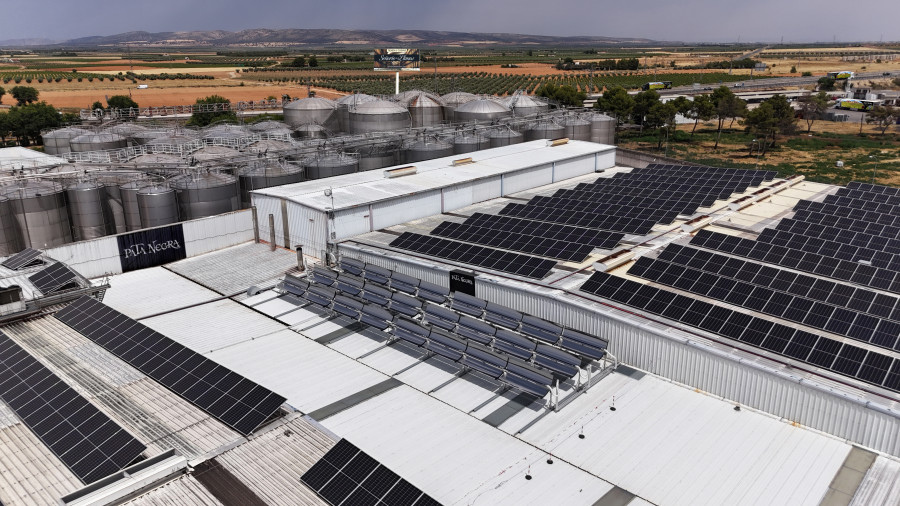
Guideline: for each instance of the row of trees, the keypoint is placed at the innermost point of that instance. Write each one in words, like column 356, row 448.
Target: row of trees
column 774, row 116
column 22, row 94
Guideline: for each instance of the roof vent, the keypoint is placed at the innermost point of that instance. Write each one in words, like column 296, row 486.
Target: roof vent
column 463, row 161
column 400, row 172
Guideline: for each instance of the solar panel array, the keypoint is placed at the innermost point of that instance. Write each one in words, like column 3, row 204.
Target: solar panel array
column 843, row 358
column 87, row 441
column 348, row 476
column 594, row 218
column 54, row 278
column 888, row 218
column 843, row 270
column 843, row 236
column 813, row 302
column 545, row 239
column 23, row 259
column 835, row 248
column 495, row 259
column 519, row 350
column 232, row 399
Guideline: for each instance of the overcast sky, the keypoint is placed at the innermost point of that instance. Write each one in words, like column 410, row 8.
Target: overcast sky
column 683, row 20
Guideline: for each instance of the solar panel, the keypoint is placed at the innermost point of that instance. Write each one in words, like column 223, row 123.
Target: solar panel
column 232, row 399
column 87, row 441
column 498, row 260
column 347, row 475
column 54, row 278
column 873, row 368
column 26, row 258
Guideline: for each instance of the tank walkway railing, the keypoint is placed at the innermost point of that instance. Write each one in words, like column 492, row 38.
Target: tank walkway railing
column 174, row 110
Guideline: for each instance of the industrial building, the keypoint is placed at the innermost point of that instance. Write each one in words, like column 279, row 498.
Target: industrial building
column 478, row 329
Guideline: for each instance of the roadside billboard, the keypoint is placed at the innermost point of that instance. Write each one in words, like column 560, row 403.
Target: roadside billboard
column 394, row 60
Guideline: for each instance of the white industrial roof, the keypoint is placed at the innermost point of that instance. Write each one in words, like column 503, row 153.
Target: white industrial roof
column 362, row 188
column 19, row 157
column 146, row 292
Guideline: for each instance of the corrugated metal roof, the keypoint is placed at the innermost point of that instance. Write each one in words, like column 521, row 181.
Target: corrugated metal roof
column 150, row 291
column 158, row 418
column 17, row 157
column 880, row 486
column 213, row 326
column 457, row 459
column 308, row 374
column 272, row 462
column 370, row 186
column 29, row 472
column 183, row 491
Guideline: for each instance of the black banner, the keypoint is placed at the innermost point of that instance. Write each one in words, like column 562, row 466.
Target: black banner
column 149, row 248
column 462, row 281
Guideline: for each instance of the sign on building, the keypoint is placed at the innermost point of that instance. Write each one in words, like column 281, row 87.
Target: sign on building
column 150, row 248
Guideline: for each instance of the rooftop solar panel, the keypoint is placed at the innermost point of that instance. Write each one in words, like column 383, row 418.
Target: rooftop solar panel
column 232, row 399
column 513, row 263
column 87, row 441
column 23, row 259
column 55, row 278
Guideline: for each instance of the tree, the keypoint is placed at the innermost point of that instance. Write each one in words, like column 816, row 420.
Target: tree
column 883, row 116
column 727, row 106
column 702, row 109
column 5, row 129
column 826, row 84
column 785, row 118
column 565, row 95
column 793, row 69
column 661, row 116
column 2, row 92
column 643, row 101
column 298, row 62
column 617, row 102
column 813, row 107
column 221, row 112
column 25, row 122
column 760, row 122
column 121, row 102
column 24, row 94
column 313, row 62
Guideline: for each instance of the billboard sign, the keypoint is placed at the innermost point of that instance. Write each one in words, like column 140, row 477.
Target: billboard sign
column 149, row 248
column 395, row 60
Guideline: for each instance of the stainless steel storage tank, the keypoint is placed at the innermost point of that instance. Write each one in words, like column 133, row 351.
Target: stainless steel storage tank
column 57, row 141
column 130, row 208
column 310, row 131
column 378, row 116
column 206, row 194
column 316, row 110
column 603, row 129
column 428, row 148
column 425, row 109
column 330, row 165
column 377, row 156
column 127, row 130
column 405, row 96
column 89, row 210
column 265, row 174
column 526, row 105
column 112, row 181
column 504, row 136
column 270, row 126
column 546, row 129
column 229, row 132
column 577, row 128
column 453, row 100
column 97, row 142
column 10, row 240
column 213, row 153
column 39, row 208
column 146, row 136
column 158, row 206
column 469, row 142
column 347, row 102
column 482, row 110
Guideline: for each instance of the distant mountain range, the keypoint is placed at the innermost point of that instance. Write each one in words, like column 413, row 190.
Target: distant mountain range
column 263, row 37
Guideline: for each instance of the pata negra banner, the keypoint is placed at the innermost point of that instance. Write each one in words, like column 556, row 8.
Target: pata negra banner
column 149, row 248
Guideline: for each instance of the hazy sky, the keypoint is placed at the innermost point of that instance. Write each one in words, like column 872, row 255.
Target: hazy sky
column 685, row 20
